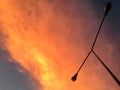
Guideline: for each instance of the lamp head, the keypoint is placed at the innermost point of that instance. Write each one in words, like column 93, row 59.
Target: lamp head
column 74, row 78
column 108, row 7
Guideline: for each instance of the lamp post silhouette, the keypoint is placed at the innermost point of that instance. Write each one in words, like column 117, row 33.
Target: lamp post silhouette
column 74, row 78
column 109, row 71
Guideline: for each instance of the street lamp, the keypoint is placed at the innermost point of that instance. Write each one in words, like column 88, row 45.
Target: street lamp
column 74, row 78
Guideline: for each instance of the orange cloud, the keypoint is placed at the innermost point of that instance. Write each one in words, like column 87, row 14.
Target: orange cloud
column 48, row 41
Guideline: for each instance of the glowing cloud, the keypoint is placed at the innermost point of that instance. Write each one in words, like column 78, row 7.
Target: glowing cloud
column 48, row 39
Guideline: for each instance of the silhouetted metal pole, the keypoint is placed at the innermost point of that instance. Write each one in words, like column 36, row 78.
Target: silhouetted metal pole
column 107, row 9
column 110, row 72
column 75, row 76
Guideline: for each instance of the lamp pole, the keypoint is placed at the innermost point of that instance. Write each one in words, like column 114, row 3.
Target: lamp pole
column 74, row 78
column 109, row 71
column 107, row 9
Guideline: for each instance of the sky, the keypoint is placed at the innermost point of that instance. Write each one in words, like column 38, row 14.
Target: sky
column 43, row 43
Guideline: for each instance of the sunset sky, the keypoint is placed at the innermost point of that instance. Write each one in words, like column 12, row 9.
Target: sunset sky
column 43, row 43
